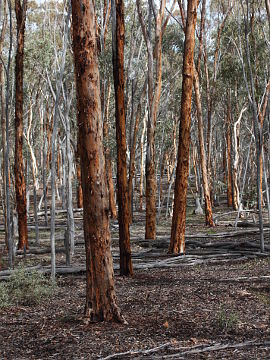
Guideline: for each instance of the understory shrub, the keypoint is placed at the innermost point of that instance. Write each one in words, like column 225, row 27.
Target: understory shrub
column 25, row 288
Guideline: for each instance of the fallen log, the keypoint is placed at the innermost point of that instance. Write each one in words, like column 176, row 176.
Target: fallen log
column 216, row 347
column 181, row 352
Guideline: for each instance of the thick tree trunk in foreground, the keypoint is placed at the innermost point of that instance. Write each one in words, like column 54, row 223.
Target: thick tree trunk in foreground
column 3, row 117
column 177, row 244
column 19, row 171
column 100, row 291
column 118, row 34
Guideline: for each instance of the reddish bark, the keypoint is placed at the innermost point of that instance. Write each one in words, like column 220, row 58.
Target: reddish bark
column 109, row 173
column 3, row 117
column 20, row 187
column 154, row 93
column 79, row 179
column 177, row 243
column 122, row 189
column 100, row 290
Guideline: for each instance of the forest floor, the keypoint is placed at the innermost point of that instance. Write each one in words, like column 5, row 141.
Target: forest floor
column 212, row 303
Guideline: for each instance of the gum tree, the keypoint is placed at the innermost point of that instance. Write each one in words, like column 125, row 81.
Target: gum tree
column 100, row 291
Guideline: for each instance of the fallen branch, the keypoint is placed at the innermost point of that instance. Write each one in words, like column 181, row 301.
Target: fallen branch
column 34, row 251
column 197, row 349
column 217, row 347
column 137, row 352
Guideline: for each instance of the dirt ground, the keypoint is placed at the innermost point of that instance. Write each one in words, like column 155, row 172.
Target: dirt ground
column 208, row 305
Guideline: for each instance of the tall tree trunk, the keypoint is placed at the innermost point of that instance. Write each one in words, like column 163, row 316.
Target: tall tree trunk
column 34, row 171
column 206, row 189
column 3, row 145
column 70, row 217
column 107, row 153
column 133, row 149
column 142, row 160
column 118, row 39
column 177, row 243
column 207, row 198
column 267, row 4
column 7, row 173
column 228, row 148
column 256, row 122
column 154, row 93
column 100, row 291
column 236, row 132
column 79, row 178
column 151, row 183
column 63, row 173
column 44, row 169
column 54, row 191
column 3, row 118
column 19, row 170
column 261, row 116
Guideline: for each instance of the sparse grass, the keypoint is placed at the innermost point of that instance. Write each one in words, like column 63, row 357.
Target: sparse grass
column 212, row 231
column 226, row 320
column 25, row 288
column 263, row 298
column 4, row 298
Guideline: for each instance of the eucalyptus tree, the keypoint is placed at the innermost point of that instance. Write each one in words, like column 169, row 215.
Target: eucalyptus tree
column 206, row 190
column 150, row 216
column 100, row 291
column 249, row 73
column 4, row 23
column 6, row 128
column 56, row 115
column 20, row 8
column 118, row 38
column 154, row 87
column 177, row 242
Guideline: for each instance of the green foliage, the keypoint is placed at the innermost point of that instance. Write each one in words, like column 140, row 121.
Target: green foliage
column 4, row 299
column 226, row 320
column 25, row 288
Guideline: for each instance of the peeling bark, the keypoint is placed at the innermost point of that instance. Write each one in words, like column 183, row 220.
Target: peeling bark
column 118, row 38
column 177, row 242
column 100, row 290
column 79, row 178
column 20, row 186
